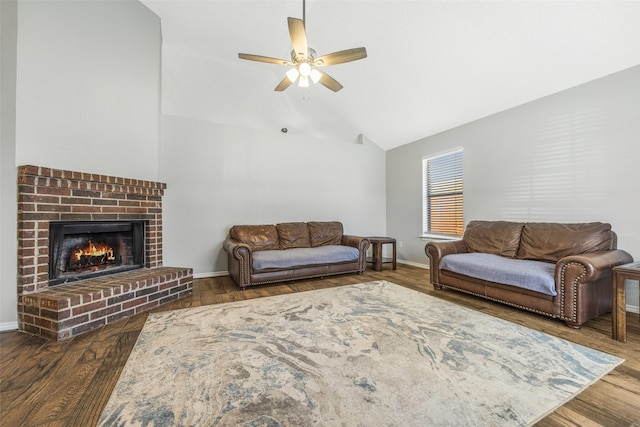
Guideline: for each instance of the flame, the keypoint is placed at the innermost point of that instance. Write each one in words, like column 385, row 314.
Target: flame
column 95, row 250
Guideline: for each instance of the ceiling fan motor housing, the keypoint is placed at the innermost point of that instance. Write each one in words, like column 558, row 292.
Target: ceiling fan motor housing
column 311, row 56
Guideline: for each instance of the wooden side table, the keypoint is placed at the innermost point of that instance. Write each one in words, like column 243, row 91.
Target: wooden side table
column 618, row 314
column 376, row 247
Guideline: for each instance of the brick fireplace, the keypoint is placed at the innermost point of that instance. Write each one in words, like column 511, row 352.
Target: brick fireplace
column 48, row 196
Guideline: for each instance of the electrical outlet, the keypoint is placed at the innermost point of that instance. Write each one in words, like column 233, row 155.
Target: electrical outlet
column 400, row 244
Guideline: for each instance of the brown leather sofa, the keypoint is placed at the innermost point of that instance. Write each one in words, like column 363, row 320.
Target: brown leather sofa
column 574, row 259
column 260, row 254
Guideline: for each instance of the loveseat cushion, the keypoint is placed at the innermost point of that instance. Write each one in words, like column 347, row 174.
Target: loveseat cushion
column 258, row 237
column 325, row 233
column 493, row 237
column 533, row 275
column 293, row 235
column 298, row 257
column 552, row 241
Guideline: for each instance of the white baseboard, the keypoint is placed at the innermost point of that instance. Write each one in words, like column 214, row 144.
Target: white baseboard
column 226, row 273
column 415, row 264
column 210, row 274
column 8, row 326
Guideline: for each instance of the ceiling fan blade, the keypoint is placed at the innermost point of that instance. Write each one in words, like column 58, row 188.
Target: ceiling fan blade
column 298, row 37
column 285, row 83
column 343, row 56
column 329, row 82
column 266, row 59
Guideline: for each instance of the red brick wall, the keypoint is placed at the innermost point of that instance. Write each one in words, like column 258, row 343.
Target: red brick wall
column 46, row 195
column 59, row 312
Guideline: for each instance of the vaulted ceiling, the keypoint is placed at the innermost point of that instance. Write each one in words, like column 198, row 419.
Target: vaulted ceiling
column 431, row 65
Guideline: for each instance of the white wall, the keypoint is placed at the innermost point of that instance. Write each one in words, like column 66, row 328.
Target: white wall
column 83, row 80
column 220, row 175
column 569, row 157
column 88, row 87
column 8, row 189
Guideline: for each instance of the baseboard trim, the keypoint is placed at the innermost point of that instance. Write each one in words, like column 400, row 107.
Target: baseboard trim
column 8, row 326
column 226, row 273
column 210, row 274
column 415, row 264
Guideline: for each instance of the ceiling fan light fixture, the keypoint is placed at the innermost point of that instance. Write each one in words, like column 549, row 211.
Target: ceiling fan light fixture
column 304, row 81
column 304, row 69
column 292, row 74
column 315, row 75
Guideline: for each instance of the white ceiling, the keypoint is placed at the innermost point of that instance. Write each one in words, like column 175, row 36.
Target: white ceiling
column 431, row 65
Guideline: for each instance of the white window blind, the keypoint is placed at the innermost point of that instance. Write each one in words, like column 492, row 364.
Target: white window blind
column 442, row 184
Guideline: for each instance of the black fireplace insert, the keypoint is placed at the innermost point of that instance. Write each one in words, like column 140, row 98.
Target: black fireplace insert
column 80, row 250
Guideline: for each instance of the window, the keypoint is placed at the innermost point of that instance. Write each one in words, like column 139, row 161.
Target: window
column 442, row 185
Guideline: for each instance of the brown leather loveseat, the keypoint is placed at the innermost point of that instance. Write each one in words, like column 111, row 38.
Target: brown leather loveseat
column 559, row 270
column 259, row 254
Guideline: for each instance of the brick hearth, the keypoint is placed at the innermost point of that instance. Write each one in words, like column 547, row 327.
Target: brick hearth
column 46, row 195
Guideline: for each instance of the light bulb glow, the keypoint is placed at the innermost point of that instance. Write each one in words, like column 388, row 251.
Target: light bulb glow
column 304, row 81
column 315, row 75
column 292, row 74
column 304, row 69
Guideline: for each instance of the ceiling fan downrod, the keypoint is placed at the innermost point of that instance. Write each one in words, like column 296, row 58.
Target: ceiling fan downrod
column 304, row 13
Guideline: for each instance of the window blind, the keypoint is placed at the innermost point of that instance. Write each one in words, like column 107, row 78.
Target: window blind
column 443, row 194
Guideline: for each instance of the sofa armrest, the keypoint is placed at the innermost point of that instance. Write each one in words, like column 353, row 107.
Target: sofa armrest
column 360, row 243
column 592, row 266
column 237, row 249
column 239, row 261
column 436, row 250
column 583, row 280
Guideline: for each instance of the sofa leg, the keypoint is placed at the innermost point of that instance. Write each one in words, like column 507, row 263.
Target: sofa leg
column 437, row 286
column 573, row 325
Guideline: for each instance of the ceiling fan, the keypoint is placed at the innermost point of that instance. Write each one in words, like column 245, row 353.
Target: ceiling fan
column 304, row 59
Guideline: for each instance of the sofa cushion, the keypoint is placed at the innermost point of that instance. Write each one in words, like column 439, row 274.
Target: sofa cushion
column 552, row 241
column 293, row 235
column 533, row 275
column 298, row 257
column 258, row 237
column 493, row 237
column 325, row 233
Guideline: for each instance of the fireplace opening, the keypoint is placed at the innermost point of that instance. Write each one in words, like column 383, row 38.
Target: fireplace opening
column 80, row 250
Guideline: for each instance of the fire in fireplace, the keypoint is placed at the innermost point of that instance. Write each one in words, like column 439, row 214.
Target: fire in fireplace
column 92, row 257
column 79, row 250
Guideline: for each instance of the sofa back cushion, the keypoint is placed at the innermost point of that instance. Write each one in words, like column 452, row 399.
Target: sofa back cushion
column 552, row 241
column 258, row 237
column 325, row 233
column 293, row 235
column 493, row 237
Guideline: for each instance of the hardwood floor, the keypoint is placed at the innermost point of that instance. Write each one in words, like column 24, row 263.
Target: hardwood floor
column 68, row 383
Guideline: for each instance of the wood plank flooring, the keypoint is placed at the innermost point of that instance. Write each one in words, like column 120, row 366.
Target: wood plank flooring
column 68, row 383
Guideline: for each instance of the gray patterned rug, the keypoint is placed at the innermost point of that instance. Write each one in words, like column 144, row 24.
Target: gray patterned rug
column 373, row 354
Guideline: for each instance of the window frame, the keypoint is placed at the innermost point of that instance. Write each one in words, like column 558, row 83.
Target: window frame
column 456, row 189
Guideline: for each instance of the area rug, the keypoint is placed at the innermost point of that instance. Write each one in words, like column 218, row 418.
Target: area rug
column 372, row 354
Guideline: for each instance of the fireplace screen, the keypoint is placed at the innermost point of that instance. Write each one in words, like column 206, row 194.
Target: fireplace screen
column 79, row 250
